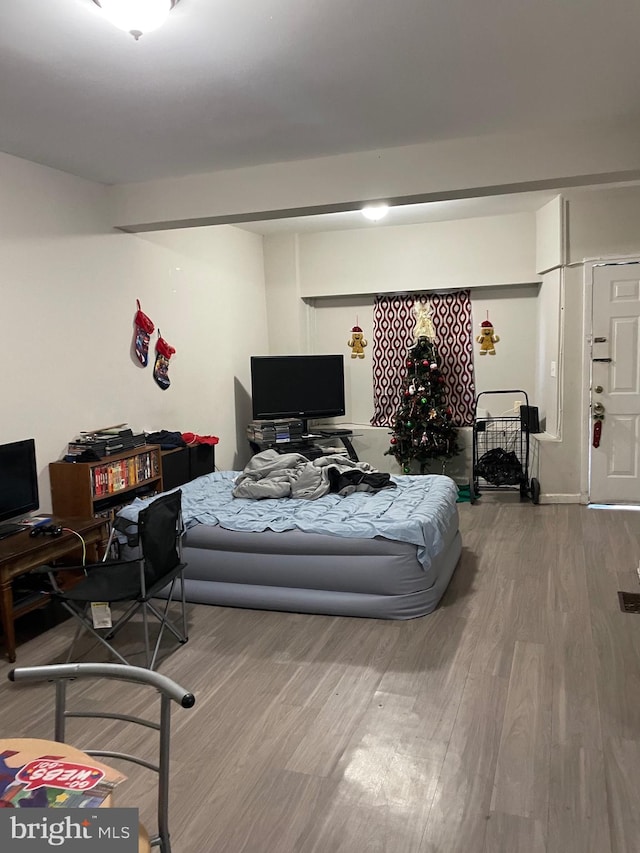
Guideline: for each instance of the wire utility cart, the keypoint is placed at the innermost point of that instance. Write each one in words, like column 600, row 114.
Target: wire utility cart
column 501, row 451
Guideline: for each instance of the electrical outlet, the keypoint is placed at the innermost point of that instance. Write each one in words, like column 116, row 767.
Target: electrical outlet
column 516, row 406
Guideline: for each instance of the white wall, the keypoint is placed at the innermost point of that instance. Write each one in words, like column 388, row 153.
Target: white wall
column 512, row 310
column 209, row 283
column 287, row 315
column 603, row 223
column 440, row 255
column 548, row 357
column 550, row 235
column 582, row 153
column 599, row 223
column 551, row 248
column 333, row 319
column 413, row 258
column 68, row 288
column 538, row 326
column 559, row 457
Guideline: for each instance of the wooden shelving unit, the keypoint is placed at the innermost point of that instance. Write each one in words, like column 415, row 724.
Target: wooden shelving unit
column 86, row 489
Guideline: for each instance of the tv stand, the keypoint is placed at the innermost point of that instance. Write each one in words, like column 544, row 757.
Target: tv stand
column 309, row 446
column 345, row 437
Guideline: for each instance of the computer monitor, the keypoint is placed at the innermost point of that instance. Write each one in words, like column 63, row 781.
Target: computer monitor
column 18, row 480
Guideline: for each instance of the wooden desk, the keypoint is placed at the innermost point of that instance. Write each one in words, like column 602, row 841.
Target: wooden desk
column 35, row 748
column 20, row 553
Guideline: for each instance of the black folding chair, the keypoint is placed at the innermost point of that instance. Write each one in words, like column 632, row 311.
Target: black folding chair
column 169, row 691
column 136, row 581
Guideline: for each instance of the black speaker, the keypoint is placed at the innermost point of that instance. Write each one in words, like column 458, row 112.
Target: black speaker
column 175, row 467
column 529, row 420
column 201, row 460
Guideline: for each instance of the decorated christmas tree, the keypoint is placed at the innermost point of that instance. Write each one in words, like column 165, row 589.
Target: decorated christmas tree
column 422, row 427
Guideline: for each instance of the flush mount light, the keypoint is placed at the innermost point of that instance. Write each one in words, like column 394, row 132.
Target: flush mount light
column 136, row 16
column 375, row 212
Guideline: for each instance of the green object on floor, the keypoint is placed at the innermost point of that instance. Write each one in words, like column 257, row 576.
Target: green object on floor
column 464, row 495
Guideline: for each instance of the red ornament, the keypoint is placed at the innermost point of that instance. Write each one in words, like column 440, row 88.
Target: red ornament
column 441, row 380
column 425, row 362
column 409, row 363
column 393, row 441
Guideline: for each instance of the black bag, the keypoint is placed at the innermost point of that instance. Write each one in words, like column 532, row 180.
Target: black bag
column 500, row 468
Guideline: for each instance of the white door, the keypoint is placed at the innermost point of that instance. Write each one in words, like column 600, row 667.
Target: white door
column 615, row 384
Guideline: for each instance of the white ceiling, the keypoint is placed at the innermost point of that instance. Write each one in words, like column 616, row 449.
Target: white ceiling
column 232, row 83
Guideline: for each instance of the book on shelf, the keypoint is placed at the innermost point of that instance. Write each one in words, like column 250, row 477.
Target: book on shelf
column 121, row 474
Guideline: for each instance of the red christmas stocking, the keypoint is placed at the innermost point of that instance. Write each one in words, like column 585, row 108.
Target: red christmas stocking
column 161, row 368
column 143, row 328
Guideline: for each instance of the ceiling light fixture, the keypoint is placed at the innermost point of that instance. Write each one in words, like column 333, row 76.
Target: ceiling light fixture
column 375, row 212
column 136, row 16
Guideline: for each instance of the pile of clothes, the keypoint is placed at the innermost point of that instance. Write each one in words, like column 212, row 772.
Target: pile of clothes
column 500, row 467
column 290, row 475
column 168, row 440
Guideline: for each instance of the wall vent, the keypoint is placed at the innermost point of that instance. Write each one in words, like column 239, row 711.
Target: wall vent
column 629, row 602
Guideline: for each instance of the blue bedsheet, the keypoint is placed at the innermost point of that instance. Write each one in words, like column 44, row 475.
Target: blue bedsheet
column 418, row 511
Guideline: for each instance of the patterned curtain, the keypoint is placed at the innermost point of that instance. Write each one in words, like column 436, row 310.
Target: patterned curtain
column 394, row 321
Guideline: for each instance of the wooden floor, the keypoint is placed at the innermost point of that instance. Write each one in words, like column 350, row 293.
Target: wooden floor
column 508, row 721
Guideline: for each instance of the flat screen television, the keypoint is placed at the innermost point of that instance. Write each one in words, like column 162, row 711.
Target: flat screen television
column 18, row 480
column 297, row 386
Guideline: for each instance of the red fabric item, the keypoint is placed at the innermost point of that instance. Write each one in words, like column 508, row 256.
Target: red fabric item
column 192, row 438
column 164, row 348
column 141, row 320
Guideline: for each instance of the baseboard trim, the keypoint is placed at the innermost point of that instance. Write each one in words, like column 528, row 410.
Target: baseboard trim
column 561, row 499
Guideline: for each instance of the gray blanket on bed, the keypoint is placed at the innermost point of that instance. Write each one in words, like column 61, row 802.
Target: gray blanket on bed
column 270, row 474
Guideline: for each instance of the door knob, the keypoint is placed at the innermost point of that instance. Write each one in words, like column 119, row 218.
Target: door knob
column 598, row 389
column 598, row 409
